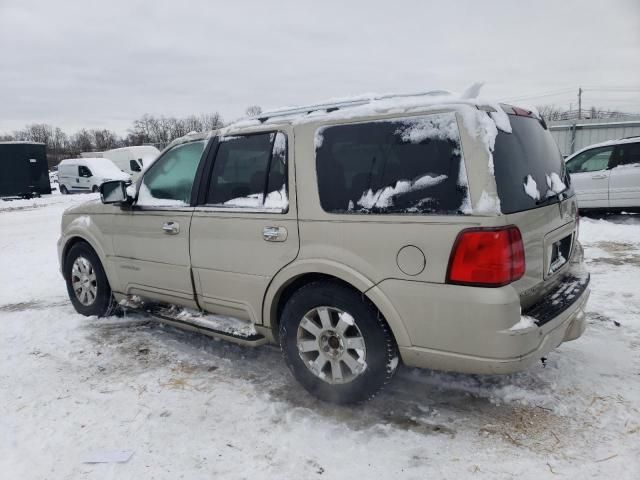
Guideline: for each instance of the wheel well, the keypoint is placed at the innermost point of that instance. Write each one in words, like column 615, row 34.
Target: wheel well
column 72, row 241
column 289, row 289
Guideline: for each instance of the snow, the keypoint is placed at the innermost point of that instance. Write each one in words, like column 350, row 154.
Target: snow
column 555, row 183
column 488, row 204
column 419, row 129
column 146, row 199
column 531, row 188
column 383, row 197
column 192, row 407
column 276, row 200
column 524, row 323
column 100, row 167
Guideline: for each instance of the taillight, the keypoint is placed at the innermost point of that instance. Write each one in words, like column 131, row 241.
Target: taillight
column 487, row 257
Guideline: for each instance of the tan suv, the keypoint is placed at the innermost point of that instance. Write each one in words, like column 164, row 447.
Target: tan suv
column 430, row 229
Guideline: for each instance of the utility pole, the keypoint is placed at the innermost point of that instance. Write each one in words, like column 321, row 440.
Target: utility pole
column 579, row 103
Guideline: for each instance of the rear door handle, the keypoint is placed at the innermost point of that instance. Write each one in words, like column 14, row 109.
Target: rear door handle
column 274, row 234
column 171, row 228
column 599, row 176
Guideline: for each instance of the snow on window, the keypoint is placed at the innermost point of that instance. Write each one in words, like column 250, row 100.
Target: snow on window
column 441, row 127
column 145, row 198
column 318, row 138
column 279, row 145
column 531, row 188
column 555, row 183
column 276, row 200
column 383, row 198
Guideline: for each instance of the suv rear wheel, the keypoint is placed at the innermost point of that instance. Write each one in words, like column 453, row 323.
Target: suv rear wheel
column 336, row 343
column 87, row 283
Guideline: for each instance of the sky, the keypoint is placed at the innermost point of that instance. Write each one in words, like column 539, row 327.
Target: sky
column 90, row 64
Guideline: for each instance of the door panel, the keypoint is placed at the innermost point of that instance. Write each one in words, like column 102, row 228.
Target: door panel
column 233, row 263
column 247, row 229
column 152, row 261
column 592, row 188
column 590, row 176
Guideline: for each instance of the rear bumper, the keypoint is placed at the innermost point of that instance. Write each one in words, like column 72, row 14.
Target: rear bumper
column 470, row 330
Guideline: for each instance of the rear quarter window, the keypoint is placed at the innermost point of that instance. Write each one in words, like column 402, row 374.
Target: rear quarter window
column 405, row 165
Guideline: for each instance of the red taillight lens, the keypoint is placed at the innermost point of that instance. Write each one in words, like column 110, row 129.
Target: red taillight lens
column 487, row 257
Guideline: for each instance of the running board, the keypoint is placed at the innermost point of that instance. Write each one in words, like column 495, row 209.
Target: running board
column 231, row 329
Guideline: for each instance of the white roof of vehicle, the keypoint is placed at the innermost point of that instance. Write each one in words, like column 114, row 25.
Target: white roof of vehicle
column 100, row 167
column 618, row 141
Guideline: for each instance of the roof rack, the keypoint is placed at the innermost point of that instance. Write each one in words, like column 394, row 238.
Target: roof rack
column 333, row 106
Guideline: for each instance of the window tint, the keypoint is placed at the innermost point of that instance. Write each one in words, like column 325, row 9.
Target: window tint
column 407, row 165
column 246, row 167
column 628, row 154
column 526, row 155
column 84, row 171
column 135, row 167
column 590, row 161
column 169, row 181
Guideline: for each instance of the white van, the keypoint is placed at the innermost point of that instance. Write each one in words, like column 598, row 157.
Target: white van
column 87, row 174
column 132, row 159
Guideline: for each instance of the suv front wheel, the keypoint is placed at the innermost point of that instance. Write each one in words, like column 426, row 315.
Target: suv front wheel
column 87, row 283
column 336, row 343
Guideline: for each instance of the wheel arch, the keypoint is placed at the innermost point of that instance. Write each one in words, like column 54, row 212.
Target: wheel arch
column 295, row 276
column 75, row 238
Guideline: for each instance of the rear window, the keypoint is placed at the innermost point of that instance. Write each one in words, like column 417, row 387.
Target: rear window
column 529, row 168
column 406, row 165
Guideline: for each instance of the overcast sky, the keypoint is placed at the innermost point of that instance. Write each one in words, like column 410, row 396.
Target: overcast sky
column 101, row 64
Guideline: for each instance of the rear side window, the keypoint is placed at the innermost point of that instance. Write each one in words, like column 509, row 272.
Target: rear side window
column 406, row 165
column 628, row 154
column 250, row 171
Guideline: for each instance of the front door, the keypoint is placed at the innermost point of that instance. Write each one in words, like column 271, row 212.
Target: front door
column 590, row 177
column 245, row 229
column 624, row 182
column 151, row 241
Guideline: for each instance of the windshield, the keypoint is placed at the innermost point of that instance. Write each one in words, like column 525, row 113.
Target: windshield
column 529, row 168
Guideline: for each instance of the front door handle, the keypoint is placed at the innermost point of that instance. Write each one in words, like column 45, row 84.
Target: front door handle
column 274, row 234
column 599, row 176
column 171, row 228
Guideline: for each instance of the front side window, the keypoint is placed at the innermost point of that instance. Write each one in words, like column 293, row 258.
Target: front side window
column 250, row 171
column 169, row 180
column 84, row 171
column 405, row 165
column 590, row 161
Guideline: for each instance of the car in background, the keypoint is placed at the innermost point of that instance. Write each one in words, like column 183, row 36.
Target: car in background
column 87, row 174
column 132, row 160
column 607, row 175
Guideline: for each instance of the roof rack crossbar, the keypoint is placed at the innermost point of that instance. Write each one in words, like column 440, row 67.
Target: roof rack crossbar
column 332, row 106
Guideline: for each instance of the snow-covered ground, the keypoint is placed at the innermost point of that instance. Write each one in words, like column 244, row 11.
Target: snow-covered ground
column 190, row 407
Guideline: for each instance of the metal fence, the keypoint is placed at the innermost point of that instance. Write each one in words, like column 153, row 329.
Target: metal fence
column 573, row 135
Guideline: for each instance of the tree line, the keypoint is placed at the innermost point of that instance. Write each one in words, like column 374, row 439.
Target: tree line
column 553, row 112
column 146, row 130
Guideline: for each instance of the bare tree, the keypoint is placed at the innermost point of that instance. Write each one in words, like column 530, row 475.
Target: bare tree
column 253, row 110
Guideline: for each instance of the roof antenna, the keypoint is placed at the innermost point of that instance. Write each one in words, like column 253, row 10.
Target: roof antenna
column 473, row 91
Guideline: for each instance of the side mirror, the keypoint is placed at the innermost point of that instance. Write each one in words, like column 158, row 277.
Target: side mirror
column 113, row 192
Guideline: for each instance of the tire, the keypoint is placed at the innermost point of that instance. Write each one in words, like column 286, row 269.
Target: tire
column 95, row 189
column 82, row 264
column 63, row 190
column 375, row 365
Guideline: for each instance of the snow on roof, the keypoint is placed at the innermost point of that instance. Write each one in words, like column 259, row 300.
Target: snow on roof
column 101, row 167
column 607, row 143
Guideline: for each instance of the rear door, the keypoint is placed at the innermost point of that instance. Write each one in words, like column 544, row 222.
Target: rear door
column 590, row 177
column 624, row 181
column 151, row 240
column 245, row 228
